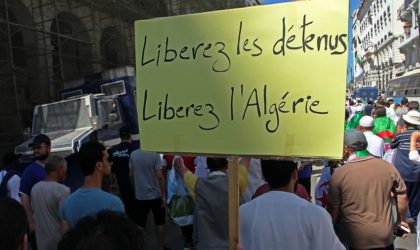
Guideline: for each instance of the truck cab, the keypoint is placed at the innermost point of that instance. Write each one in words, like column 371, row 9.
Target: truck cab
column 90, row 112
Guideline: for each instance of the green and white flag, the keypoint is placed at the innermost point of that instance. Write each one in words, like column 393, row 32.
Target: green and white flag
column 359, row 69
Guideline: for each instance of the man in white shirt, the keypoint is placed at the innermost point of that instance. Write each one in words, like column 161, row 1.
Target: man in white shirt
column 389, row 111
column 46, row 198
column 376, row 146
column 280, row 219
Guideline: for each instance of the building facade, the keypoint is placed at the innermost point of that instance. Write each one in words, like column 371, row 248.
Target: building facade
column 377, row 34
column 410, row 45
column 408, row 84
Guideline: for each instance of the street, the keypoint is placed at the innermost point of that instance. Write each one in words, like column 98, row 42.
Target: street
column 174, row 239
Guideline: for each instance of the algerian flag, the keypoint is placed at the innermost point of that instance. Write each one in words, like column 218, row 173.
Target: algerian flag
column 359, row 68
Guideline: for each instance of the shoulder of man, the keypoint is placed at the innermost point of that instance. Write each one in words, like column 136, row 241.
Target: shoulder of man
column 115, row 202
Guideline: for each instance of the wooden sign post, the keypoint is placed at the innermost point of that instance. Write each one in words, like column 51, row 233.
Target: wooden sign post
column 233, row 183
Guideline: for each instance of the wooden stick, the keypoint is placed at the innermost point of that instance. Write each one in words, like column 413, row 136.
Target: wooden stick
column 233, row 183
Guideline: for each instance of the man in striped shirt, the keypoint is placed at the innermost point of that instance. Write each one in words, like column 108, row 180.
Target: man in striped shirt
column 409, row 170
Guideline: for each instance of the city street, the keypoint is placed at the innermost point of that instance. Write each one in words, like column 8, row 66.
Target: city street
column 174, row 240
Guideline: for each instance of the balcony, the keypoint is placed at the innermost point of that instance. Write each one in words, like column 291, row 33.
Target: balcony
column 404, row 12
column 407, row 42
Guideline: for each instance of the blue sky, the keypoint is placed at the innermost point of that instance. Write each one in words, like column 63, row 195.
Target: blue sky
column 353, row 5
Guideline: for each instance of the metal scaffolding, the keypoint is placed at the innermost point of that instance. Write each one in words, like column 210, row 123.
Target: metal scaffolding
column 47, row 43
column 181, row 7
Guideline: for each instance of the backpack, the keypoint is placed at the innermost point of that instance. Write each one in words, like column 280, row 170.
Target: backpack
column 3, row 186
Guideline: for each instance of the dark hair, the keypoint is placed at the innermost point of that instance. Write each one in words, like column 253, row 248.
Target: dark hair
column 9, row 158
column 413, row 105
column 13, row 224
column 380, row 111
column 106, row 231
column 214, row 164
column 10, row 161
column 369, row 101
column 409, row 125
column 125, row 133
column 347, row 114
column 277, row 173
column 89, row 154
column 404, row 101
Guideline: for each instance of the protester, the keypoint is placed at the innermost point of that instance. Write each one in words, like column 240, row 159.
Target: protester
column 415, row 157
column 346, row 120
column 104, row 231
column 299, row 190
column 89, row 199
column 13, row 225
column 46, row 197
column 255, row 179
column 281, row 220
column 376, row 145
column 201, row 169
column 150, row 191
column 33, row 174
column 10, row 177
column 368, row 108
column 354, row 121
column 383, row 126
column 410, row 171
column 323, row 185
column 359, row 197
column 400, row 112
column 413, row 105
column 119, row 155
column 390, row 113
column 211, row 221
column 304, row 175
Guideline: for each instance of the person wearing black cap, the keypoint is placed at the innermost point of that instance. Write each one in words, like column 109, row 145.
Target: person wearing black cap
column 360, row 200
column 34, row 173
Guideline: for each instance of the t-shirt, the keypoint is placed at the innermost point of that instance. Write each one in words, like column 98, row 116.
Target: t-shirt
column 46, row 197
column 12, row 185
column 86, row 202
column 33, row 174
column 144, row 166
column 119, row 155
column 282, row 220
column 361, row 191
column 409, row 170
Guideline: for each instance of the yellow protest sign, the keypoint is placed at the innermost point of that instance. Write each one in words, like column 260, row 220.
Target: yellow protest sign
column 266, row 81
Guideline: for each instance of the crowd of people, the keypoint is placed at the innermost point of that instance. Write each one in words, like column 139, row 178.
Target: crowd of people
column 363, row 201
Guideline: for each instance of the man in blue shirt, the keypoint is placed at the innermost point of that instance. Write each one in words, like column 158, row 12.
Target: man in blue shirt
column 33, row 174
column 89, row 199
